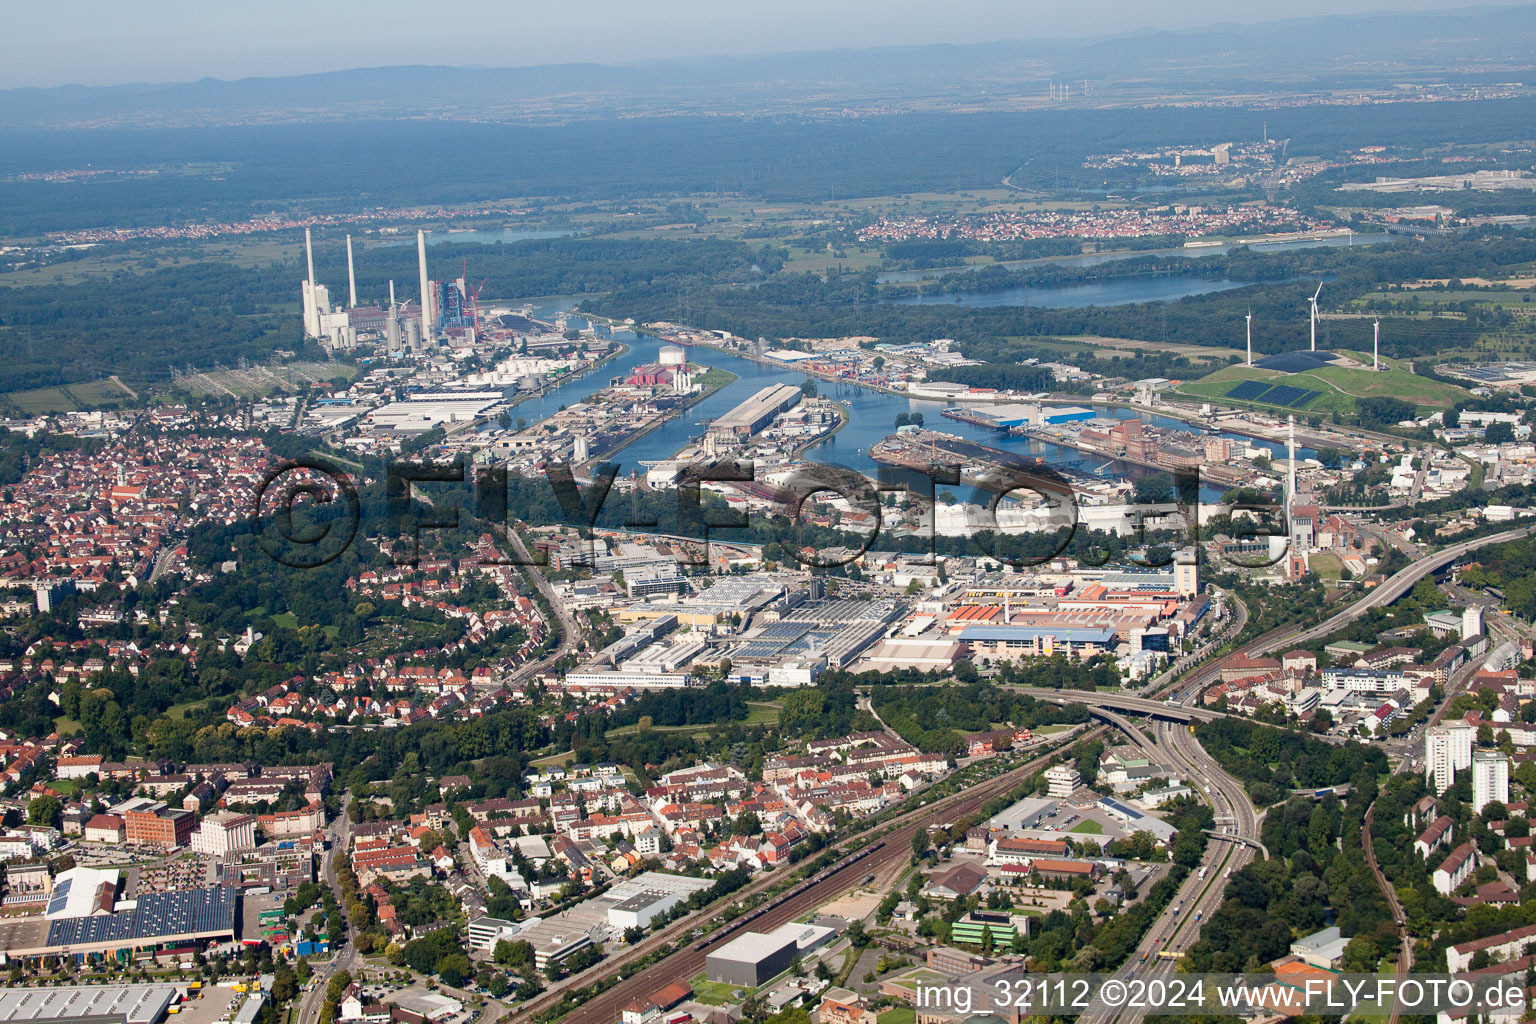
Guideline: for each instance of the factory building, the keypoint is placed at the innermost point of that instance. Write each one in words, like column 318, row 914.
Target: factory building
column 426, row 410
column 989, row 643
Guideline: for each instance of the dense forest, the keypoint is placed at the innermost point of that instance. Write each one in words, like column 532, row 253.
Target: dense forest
column 1511, row 568
column 1271, row 762
column 934, row 719
column 1315, row 873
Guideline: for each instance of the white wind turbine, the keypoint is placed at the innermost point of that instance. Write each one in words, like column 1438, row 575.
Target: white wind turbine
column 1314, row 314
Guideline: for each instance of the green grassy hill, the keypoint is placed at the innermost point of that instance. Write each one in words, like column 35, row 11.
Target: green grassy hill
column 1339, row 387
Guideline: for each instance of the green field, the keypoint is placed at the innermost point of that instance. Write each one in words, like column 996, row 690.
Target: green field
column 1326, row 565
column 713, row 378
column 717, row 993
column 42, row 400
column 763, row 712
column 83, row 395
column 1088, row 827
column 898, row 1015
column 759, row 712
column 1340, row 387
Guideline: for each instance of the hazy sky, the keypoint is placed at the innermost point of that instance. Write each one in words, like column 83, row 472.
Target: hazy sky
column 104, row 42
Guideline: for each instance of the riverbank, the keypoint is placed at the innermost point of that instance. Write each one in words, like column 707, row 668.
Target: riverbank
column 710, row 382
column 842, row 421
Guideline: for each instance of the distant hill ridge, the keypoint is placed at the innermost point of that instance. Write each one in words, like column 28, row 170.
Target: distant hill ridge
column 1329, row 51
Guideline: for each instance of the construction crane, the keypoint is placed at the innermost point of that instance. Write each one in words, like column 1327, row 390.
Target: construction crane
column 474, row 302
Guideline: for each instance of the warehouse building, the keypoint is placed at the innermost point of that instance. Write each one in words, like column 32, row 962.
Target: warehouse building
column 751, row 959
column 156, row 921
column 94, row 1004
column 751, row 416
column 639, row 910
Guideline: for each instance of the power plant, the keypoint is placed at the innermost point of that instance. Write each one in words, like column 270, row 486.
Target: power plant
column 448, row 313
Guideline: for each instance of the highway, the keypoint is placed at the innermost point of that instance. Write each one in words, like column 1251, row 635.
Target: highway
column 1180, row 712
column 1395, row 587
column 1178, row 927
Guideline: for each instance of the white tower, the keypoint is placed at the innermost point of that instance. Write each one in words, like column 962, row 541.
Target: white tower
column 1290, row 470
column 317, row 300
column 309, row 254
column 351, row 278
column 1249, row 318
column 392, row 324
column 1376, row 346
column 426, row 300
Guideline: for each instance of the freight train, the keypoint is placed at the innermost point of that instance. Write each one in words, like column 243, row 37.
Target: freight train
column 788, row 894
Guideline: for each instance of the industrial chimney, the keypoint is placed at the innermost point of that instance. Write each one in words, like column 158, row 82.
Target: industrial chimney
column 426, row 298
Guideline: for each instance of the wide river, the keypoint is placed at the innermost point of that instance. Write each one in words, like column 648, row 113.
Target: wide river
column 871, row 414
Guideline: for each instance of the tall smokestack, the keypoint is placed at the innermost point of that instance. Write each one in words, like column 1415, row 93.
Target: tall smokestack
column 1376, row 347
column 1290, row 452
column 351, row 277
column 391, row 296
column 426, row 301
column 307, row 287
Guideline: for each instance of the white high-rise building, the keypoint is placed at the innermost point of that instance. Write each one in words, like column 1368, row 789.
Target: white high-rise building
column 1447, row 750
column 224, row 833
column 1490, row 779
column 1471, row 621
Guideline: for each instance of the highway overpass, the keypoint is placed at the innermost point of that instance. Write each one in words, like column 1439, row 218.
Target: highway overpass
column 1122, row 702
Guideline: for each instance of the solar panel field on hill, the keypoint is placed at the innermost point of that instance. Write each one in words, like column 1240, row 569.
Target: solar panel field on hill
column 1271, row 394
column 1284, row 394
column 1248, row 390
